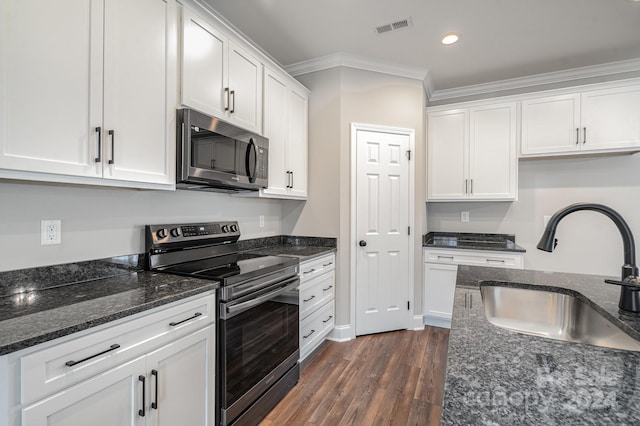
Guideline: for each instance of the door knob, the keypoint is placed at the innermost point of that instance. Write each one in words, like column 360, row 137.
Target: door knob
column 362, row 243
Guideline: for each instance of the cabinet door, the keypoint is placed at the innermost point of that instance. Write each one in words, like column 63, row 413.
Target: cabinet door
column 109, row 399
column 447, row 143
column 245, row 89
column 439, row 289
column 51, row 85
column 297, row 143
column 203, row 66
column 492, row 152
column 138, row 73
column 276, row 129
column 183, row 373
column 611, row 118
column 550, row 125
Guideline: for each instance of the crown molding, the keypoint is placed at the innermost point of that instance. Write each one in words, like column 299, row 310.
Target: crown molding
column 354, row 61
column 594, row 71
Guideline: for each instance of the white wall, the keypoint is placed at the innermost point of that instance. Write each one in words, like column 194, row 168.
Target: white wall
column 588, row 242
column 102, row 222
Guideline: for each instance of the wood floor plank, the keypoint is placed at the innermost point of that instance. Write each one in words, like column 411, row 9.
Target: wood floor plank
column 394, row 378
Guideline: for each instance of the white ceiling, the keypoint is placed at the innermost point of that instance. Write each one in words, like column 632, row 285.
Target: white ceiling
column 501, row 39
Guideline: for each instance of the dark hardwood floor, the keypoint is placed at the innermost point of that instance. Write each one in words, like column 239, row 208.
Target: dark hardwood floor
column 392, row 378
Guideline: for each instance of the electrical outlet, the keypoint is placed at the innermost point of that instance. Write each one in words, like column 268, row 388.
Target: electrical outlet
column 464, row 216
column 50, row 231
column 261, row 221
column 546, row 220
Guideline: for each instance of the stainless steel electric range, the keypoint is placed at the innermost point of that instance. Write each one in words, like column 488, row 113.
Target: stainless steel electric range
column 258, row 324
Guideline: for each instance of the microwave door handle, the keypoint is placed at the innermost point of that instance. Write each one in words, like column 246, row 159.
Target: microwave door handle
column 251, row 168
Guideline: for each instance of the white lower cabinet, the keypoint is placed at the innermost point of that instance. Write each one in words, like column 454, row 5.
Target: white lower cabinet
column 440, row 274
column 317, row 302
column 165, row 377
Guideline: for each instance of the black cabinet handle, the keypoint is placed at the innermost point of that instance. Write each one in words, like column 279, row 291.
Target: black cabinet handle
column 99, row 157
column 196, row 315
column 328, row 319
column 312, row 331
column 141, row 411
column 291, row 179
column 327, row 264
column 584, row 135
column 309, row 299
column 111, row 348
column 154, row 404
column 112, row 134
column 577, row 135
column 328, row 288
column 233, row 101
column 309, row 271
column 226, row 98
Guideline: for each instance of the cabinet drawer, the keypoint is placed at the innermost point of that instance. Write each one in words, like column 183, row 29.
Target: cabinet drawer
column 315, row 328
column 316, row 292
column 56, row 367
column 475, row 258
column 312, row 268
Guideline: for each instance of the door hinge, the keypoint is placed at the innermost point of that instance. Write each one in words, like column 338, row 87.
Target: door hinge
column 408, row 305
column 408, row 230
column 409, row 155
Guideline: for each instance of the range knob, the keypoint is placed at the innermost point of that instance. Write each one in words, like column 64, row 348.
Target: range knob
column 234, row 228
column 175, row 232
column 161, row 233
column 225, row 228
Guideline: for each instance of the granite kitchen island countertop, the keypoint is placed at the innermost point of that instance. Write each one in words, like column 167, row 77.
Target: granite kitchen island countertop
column 499, row 377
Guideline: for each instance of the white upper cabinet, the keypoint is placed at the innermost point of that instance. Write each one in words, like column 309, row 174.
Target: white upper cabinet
column 471, row 153
column 593, row 121
column 219, row 77
column 285, row 125
column 88, row 90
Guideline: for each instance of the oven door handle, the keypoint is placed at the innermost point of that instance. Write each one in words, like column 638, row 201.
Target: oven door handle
column 230, row 311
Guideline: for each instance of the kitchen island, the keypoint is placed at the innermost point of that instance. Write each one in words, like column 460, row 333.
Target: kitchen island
column 499, row 377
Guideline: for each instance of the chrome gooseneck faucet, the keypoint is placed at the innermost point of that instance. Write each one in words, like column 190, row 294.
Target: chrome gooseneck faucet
column 630, row 291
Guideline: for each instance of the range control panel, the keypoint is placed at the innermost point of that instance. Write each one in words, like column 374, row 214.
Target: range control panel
column 168, row 234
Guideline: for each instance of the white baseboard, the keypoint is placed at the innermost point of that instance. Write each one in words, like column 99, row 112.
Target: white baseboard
column 417, row 323
column 342, row 333
column 437, row 322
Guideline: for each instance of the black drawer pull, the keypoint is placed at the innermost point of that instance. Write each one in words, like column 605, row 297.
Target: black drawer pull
column 196, row 315
column 312, row 331
column 155, row 404
column 309, row 299
column 327, row 264
column 111, row 348
column 308, row 272
column 141, row 411
column 328, row 319
column 328, row 288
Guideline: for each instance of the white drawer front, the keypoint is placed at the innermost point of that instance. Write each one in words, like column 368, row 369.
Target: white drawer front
column 49, row 370
column 312, row 268
column 475, row 258
column 315, row 328
column 314, row 293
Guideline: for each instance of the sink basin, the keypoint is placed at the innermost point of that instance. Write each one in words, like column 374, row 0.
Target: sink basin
column 552, row 315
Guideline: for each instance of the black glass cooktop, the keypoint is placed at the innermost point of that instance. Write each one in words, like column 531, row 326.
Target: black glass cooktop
column 233, row 268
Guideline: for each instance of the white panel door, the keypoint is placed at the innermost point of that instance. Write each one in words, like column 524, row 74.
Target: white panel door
column 382, row 216
column 135, row 105
column 447, row 160
column 51, row 85
column 203, row 65
column 550, row 125
column 492, row 152
column 245, row 89
column 276, row 129
column 183, row 372
column 611, row 118
column 298, row 143
column 113, row 398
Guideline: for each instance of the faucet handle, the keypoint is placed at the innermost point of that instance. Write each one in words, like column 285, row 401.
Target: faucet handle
column 629, row 281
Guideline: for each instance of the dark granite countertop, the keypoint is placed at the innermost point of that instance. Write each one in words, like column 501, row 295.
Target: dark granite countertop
column 499, row 377
column 471, row 241
column 302, row 252
column 31, row 317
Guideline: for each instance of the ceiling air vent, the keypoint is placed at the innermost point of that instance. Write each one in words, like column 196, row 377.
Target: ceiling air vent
column 394, row 26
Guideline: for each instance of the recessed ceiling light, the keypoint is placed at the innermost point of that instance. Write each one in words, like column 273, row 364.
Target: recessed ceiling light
column 450, row 38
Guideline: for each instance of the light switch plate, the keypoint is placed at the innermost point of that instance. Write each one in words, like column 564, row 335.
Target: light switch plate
column 464, row 216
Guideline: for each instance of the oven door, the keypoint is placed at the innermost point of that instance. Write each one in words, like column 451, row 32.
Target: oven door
column 258, row 344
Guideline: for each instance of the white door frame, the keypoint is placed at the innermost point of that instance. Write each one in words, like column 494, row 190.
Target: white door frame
column 354, row 238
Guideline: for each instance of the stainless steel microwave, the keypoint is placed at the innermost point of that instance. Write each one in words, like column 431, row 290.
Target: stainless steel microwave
column 217, row 156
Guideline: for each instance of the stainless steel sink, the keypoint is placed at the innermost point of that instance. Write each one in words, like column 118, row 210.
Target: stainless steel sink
column 552, row 315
